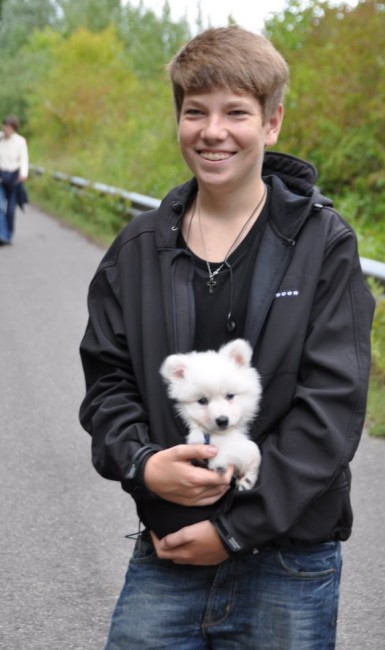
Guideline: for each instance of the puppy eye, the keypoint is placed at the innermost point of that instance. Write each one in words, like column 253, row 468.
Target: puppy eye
column 203, row 401
column 230, row 396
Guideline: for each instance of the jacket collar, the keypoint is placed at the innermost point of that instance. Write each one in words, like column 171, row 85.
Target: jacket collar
column 294, row 195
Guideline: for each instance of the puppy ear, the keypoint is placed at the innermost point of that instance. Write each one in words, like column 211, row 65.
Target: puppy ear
column 173, row 367
column 239, row 351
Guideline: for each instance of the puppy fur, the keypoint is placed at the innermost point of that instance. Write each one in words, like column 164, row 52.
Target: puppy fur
column 218, row 394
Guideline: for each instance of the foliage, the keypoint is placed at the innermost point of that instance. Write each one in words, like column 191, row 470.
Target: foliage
column 94, row 15
column 69, row 113
column 378, row 332
column 149, row 41
column 376, row 406
column 104, row 119
column 19, row 19
column 336, row 102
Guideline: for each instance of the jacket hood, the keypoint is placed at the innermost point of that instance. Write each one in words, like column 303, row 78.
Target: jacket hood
column 294, row 198
column 298, row 175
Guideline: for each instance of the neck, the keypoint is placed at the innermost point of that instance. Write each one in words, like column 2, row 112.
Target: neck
column 212, row 236
column 218, row 205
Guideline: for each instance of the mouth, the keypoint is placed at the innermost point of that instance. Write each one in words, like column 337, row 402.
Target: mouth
column 215, row 155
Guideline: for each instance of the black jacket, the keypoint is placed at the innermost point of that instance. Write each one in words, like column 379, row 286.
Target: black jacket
column 308, row 321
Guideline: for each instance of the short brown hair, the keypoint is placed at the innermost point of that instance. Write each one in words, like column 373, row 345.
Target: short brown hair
column 230, row 57
column 11, row 120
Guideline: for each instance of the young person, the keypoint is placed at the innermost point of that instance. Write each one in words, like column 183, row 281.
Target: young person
column 247, row 248
column 13, row 173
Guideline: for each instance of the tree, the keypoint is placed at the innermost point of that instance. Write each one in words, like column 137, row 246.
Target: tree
column 102, row 122
column 151, row 41
column 94, row 15
column 336, row 101
column 20, row 18
column 69, row 107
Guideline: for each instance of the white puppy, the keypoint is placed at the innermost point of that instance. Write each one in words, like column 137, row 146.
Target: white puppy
column 217, row 394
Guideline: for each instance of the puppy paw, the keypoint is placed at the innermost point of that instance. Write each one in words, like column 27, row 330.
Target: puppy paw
column 219, row 469
column 245, row 483
column 195, row 437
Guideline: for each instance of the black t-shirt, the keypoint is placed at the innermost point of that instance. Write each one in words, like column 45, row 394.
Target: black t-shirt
column 228, row 301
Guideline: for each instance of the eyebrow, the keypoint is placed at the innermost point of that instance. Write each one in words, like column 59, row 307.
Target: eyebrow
column 233, row 103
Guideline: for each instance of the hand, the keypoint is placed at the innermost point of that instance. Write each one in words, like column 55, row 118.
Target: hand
column 198, row 544
column 171, row 476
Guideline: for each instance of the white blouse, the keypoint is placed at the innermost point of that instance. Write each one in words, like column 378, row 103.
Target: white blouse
column 14, row 154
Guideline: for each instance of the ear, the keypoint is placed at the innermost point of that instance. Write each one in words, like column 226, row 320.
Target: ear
column 273, row 127
column 239, row 351
column 173, row 367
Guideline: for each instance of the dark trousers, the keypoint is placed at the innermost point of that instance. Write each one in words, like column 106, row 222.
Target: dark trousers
column 8, row 201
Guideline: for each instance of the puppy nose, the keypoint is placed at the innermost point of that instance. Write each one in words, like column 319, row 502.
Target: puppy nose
column 222, row 421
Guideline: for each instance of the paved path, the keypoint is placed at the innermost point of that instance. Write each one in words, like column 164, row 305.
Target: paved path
column 63, row 552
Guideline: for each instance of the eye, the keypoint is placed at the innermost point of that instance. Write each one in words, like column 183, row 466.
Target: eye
column 203, row 401
column 192, row 112
column 230, row 396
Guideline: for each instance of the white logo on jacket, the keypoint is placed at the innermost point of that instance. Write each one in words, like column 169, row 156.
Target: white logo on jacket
column 287, row 294
column 218, row 394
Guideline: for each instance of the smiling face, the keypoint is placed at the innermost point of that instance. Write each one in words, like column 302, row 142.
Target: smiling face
column 222, row 137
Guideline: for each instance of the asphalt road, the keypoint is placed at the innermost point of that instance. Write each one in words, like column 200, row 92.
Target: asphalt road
column 63, row 553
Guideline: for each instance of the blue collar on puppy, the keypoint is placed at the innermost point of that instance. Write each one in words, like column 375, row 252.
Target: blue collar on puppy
column 206, row 437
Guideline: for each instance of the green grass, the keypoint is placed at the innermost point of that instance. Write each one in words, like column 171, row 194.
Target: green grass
column 376, row 408
column 99, row 218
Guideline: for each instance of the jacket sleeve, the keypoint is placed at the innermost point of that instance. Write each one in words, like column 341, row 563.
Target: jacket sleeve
column 311, row 445
column 112, row 410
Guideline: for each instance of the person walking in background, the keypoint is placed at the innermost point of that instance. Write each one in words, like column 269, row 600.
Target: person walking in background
column 250, row 248
column 13, row 173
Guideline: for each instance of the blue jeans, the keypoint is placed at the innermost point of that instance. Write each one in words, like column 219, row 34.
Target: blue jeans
column 8, row 201
column 280, row 599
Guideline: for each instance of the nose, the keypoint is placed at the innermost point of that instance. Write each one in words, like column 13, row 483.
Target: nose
column 214, row 128
column 222, row 422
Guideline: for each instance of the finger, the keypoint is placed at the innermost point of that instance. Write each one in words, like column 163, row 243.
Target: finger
column 191, row 452
column 210, row 479
column 164, row 549
column 174, row 540
column 205, row 497
column 201, row 480
column 155, row 539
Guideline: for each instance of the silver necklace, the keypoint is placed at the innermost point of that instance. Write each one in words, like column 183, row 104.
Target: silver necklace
column 211, row 282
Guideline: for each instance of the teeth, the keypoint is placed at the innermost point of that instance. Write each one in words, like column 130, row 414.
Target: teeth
column 215, row 155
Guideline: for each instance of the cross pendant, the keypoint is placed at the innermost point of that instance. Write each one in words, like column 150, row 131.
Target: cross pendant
column 211, row 284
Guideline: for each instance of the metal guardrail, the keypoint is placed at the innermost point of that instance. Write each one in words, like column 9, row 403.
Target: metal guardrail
column 138, row 203
column 373, row 269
